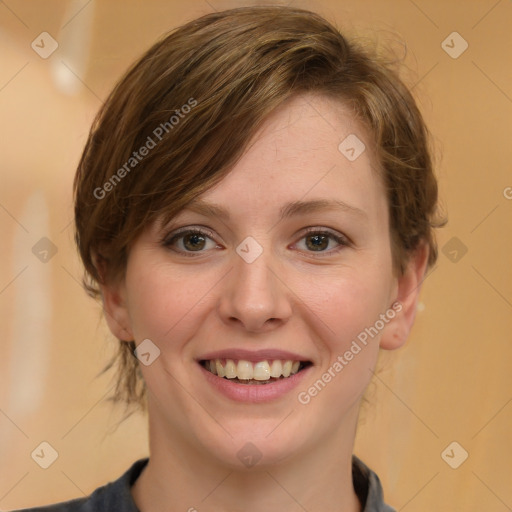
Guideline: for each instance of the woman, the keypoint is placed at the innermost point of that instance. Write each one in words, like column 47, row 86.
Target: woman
column 255, row 207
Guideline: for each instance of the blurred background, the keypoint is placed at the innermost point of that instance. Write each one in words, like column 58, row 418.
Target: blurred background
column 438, row 425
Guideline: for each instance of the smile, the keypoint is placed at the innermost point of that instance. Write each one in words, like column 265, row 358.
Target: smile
column 247, row 372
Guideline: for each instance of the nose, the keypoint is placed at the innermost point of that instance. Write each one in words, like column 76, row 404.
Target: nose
column 254, row 296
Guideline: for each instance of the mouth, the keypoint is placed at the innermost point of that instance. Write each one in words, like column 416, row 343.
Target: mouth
column 266, row 371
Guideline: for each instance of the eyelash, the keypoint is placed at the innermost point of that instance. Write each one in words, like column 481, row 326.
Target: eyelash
column 170, row 239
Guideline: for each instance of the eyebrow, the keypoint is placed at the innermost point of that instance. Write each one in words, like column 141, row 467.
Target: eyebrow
column 289, row 210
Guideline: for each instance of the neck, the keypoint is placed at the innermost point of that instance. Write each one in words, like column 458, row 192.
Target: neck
column 180, row 477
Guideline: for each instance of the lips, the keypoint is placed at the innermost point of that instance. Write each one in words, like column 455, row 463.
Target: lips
column 253, row 355
column 254, row 391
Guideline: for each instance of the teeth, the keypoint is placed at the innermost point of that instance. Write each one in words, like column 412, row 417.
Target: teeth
column 246, row 370
column 211, row 366
column 277, row 369
column 230, row 369
column 261, row 371
column 220, row 369
column 287, row 368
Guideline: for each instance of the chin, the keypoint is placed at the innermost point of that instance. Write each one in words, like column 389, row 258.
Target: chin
column 249, row 449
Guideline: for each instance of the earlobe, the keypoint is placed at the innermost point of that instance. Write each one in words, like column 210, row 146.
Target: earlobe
column 408, row 290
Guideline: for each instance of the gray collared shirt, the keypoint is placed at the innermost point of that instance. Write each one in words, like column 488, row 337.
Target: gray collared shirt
column 116, row 496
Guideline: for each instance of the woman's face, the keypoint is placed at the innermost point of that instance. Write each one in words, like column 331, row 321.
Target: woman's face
column 297, row 268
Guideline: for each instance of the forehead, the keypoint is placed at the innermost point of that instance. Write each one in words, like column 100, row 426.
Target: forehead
column 311, row 150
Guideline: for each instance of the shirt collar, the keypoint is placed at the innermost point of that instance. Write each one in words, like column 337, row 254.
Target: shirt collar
column 366, row 485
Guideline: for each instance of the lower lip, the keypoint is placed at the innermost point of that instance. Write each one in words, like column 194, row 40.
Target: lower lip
column 254, row 393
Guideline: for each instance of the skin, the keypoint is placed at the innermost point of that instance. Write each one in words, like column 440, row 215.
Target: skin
column 294, row 297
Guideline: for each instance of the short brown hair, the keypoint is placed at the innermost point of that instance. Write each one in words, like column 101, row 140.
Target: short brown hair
column 195, row 100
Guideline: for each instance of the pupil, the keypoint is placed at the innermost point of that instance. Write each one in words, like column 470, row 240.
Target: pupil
column 195, row 238
column 321, row 243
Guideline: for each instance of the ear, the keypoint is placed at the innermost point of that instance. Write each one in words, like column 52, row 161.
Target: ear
column 116, row 311
column 113, row 296
column 407, row 294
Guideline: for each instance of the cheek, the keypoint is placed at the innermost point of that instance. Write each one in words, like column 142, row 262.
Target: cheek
column 161, row 299
column 345, row 313
column 345, row 304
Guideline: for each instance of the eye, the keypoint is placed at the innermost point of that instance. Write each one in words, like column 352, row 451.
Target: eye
column 317, row 240
column 189, row 241
column 195, row 241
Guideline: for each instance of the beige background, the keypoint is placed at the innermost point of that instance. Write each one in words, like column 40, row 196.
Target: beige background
column 452, row 382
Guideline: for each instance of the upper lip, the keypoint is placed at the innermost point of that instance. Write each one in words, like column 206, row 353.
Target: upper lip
column 253, row 355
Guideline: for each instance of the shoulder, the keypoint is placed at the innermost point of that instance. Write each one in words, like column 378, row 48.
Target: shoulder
column 368, row 488
column 112, row 496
